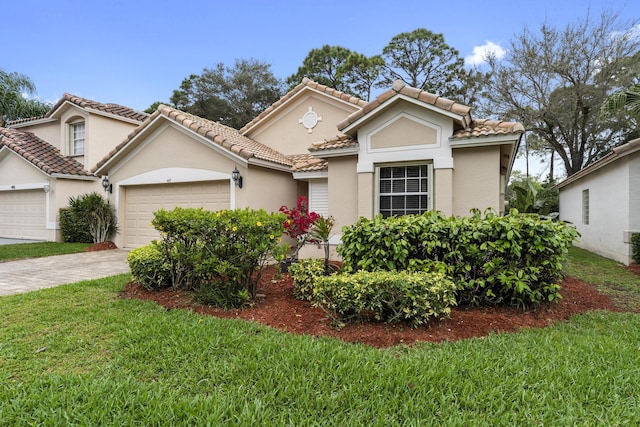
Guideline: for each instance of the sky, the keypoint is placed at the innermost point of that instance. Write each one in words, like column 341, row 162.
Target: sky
column 136, row 52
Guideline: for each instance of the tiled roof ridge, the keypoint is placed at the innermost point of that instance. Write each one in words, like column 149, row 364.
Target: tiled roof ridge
column 111, row 108
column 40, row 153
column 399, row 87
column 488, row 127
column 222, row 135
column 337, row 142
column 24, row 120
column 306, row 82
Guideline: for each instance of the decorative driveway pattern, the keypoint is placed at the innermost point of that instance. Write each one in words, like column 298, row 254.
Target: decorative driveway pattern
column 38, row 273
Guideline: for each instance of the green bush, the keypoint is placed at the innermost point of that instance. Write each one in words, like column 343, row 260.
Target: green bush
column 386, row 296
column 513, row 259
column 227, row 296
column 304, row 274
column 226, row 250
column 635, row 247
column 148, row 266
column 74, row 229
column 88, row 219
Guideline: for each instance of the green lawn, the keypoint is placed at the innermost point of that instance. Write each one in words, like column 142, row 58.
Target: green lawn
column 79, row 355
column 39, row 249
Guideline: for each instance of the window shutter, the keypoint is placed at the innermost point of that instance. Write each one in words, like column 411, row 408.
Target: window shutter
column 319, row 197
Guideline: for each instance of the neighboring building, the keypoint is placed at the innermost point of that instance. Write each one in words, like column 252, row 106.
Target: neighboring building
column 45, row 160
column 407, row 151
column 603, row 202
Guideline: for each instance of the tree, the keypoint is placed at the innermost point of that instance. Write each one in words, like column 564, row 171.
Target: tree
column 424, row 60
column 232, row 96
column 362, row 74
column 555, row 81
column 13, row 105
column 325, row 65
column 628, row 100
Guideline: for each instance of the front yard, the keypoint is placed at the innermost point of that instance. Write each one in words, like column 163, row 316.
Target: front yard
column 79, row 355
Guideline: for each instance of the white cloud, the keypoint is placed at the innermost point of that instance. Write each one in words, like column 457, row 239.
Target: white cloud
column 480, row 53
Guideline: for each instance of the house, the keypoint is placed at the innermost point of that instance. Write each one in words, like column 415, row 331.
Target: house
column 45, row 160
column 407, row 151
column 603, row 202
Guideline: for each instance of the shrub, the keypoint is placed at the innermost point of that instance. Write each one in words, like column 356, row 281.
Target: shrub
column 304, row 274
column 635, row 247
column 228, row 295
column 225, row 249
column 513, row 259
column 148, row 266
column 89, row 219
column 386, row 296
column 298, row 222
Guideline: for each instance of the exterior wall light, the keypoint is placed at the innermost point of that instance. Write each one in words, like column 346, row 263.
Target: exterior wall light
column 46, row 187
column 106, row 185
column 236, row 177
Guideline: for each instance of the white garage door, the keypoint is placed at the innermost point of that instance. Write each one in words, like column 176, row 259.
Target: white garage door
column 23, row 214
column 142, row 200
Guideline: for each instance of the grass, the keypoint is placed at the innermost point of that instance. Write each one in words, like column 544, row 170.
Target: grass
column 39, row 249
column 78, row 355
column 608, row 276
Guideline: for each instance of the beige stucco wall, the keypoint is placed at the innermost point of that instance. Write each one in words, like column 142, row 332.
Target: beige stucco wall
column 48, row 131
column 476, row 179
column 103, row 135
column 268, row 189
column 171, row 148
column 284, row 132
column 343, row 191
column 443, row 191
column 366, row 192
column 14, row 170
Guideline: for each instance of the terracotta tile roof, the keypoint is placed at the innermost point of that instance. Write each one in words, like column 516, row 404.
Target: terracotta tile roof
column 42, row 154
column 222, row 135
column 115, row 109
column 339, row 142
column 400, row 88
column 307, row 163
column 305, row 83
column 25, row 120
column 485, row 127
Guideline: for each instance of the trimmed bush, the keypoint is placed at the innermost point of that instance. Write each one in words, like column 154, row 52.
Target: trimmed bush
column 386, row 296
column 148, row 266
column 304, row 273
column 74, row 229
column 514, row 259
column 635, row 247
column 219, row 254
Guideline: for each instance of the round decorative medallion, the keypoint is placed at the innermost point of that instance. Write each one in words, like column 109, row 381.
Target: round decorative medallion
column 310, row 119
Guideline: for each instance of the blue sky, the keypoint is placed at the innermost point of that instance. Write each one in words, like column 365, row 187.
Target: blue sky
column 135, row 52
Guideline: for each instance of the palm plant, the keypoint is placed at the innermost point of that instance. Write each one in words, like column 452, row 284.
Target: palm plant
column 627, row 99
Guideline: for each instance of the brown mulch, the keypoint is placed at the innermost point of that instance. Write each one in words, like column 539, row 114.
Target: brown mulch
column 103, row 246
column 277, row 308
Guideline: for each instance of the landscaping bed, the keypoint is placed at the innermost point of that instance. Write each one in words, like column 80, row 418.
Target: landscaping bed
column 277, row 308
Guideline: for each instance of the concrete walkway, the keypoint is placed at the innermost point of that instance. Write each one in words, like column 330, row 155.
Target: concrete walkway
column 38, row 273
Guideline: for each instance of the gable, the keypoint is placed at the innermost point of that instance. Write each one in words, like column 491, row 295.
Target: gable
column 14, row 170
column 404, row 130
column 296, row 125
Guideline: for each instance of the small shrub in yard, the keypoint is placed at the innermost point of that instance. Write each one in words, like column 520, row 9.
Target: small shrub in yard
column 88, row 219
column 225, row 250
column 225, row 295
column 149, row 267
column 386, row 296
column 513, row 259
column 635, row 247
column 304, row 274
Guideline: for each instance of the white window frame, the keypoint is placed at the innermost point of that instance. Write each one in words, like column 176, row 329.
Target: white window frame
column 585, row 206
column 429, row 177
column 74, row 148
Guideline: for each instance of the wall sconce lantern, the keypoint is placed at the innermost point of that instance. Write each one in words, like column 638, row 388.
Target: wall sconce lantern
column 236, row 177
column 46, row 187
column 106, row 185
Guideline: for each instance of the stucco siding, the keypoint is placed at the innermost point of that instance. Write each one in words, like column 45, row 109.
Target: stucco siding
column 608, row 210
column 443, row 191
column 476, row 179
column 269, row 189
column 287, row 135
column 49, row 132
column 103, row 134
column 343, row 191
column 15, row 170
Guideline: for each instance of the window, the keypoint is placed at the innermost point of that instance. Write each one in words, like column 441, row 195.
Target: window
column 585, row 207
column 76, row 138
column 404, row 190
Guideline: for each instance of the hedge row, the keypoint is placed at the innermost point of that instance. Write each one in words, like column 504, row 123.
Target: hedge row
column 513, row 259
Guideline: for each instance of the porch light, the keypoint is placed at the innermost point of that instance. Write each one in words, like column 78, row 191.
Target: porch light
column 106, row 185
column 236, row 177
column 46, row 187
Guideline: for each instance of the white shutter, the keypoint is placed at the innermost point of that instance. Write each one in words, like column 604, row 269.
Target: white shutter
column 319, row 197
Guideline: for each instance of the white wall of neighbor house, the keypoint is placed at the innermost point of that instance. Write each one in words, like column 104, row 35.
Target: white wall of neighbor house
column 608, row 210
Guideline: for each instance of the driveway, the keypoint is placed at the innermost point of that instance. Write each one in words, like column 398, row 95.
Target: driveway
column 38, row 273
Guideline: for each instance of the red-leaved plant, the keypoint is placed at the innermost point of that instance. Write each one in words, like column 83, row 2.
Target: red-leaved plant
column 298, row 223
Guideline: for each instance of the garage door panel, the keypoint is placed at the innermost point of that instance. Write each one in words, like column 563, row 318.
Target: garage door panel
column 23, row 214
column 143, row 200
